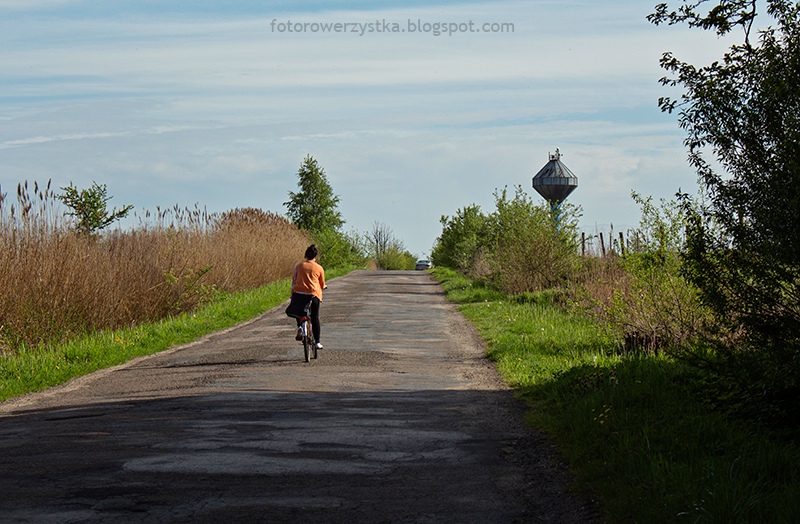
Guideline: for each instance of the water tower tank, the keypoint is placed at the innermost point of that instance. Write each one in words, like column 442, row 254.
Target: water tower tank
column 555, row 181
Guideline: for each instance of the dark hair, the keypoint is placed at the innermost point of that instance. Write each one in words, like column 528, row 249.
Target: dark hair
column 311, row 252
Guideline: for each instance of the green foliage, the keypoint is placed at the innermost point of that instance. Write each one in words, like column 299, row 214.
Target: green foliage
column 461, row 238
column 89, row 207
column 661, row 229
column 396, row 258
column 521, row 246
column 742, row 240
column 387, row 250
column 314, row 207
column 530, row 248
column 654, row 306
column 337, row 249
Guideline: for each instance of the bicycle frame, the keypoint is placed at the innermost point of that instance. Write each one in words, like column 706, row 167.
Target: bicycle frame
column 309, row 344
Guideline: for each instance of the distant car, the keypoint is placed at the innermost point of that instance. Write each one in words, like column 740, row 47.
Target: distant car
column 423, row 264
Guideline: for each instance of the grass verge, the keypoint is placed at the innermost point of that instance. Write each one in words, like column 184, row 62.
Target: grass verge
column 633, row 429
column 29, row 370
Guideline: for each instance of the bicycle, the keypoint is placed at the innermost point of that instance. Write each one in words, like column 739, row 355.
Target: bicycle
column 307, row 333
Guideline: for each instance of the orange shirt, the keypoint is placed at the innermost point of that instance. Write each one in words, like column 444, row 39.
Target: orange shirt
column 309, row 278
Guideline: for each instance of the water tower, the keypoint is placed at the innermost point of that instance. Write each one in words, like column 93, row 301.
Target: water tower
column 555, row 182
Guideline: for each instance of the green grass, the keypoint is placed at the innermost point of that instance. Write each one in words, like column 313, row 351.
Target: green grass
column 632, row 428
column 29, row 370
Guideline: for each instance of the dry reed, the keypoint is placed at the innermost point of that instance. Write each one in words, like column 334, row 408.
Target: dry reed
column 647, row 308
column 56, row 283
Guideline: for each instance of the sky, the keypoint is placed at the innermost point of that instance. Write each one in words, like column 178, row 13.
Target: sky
column 216, row 103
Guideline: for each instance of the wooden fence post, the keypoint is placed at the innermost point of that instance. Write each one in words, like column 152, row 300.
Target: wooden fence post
column 602, row 246
column 583, row 244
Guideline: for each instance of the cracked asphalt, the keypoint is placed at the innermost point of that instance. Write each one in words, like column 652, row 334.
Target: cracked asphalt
column 400, row 420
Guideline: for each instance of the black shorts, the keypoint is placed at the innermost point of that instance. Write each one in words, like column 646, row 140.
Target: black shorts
column 299, row 305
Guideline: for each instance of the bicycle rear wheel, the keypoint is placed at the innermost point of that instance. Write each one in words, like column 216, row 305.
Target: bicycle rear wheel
column 308, row 341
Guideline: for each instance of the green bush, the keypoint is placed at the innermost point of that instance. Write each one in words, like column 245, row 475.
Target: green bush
column 531, row 247
column 651, row 305
column 337, row 249
column 396, row 258
column 743, row 138
column 88, row 206
column 461, row 239
column 387, row 250
column 520, row 247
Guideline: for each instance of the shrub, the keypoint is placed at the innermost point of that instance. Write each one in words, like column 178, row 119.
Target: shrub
column 461, row 240
column 520, row 247
column 743, row 138
column 387, row 250
column 337, row 249
column 530, row 247
column 643, row 297
column 395, row 257
column 89, row 208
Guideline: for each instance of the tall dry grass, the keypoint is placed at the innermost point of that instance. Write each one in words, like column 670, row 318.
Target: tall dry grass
column 56, row 283
column 643, row 301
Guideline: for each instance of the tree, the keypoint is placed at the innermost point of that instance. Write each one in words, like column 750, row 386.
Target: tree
column 743, row 236
column 89, row 207
column 381, row 239
column 314, row 208
column 461, row 239
column 387, row 250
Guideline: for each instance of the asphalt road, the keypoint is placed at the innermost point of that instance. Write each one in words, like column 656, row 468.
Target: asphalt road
column 400, row 420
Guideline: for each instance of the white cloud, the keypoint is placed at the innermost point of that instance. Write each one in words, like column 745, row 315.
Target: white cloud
column 408, row 127
column 44, row 139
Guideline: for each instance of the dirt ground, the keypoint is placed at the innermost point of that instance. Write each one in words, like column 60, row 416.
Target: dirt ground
column 399, row 420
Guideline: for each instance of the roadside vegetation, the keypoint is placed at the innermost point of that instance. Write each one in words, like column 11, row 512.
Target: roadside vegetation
column 640, row 430
column 59, row 282
column 76, row 297
column 668, row 366
column 32, row 369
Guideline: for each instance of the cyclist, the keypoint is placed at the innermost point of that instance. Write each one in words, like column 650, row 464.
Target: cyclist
column 307, row 285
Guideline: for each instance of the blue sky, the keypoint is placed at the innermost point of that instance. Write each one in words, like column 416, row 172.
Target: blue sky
column 210, row 103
